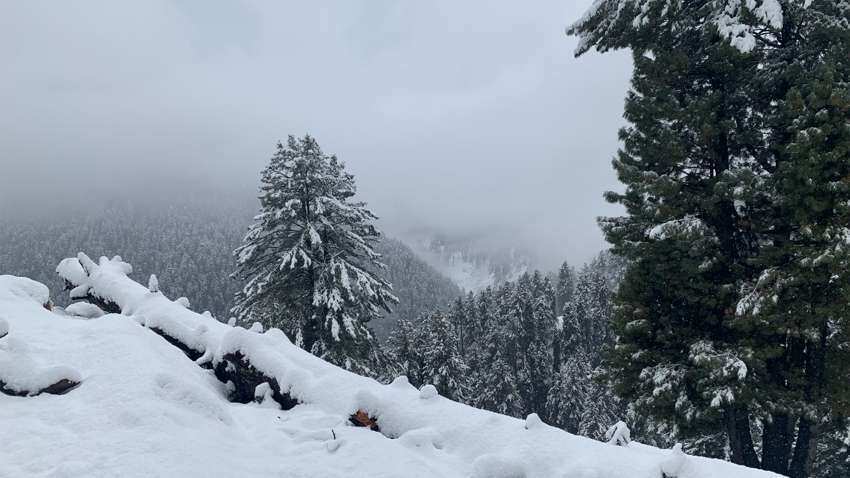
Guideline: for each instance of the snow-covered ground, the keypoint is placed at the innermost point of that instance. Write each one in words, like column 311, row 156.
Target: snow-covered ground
column 143, row 408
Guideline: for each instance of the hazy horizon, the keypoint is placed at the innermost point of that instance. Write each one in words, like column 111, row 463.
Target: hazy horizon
column 469, row 119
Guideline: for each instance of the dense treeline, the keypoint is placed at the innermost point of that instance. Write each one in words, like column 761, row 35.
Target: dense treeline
column 530, row 346
column 189, row 248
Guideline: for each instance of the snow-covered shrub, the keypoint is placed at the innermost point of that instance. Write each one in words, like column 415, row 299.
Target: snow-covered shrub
column 153, row 284
column 619, row 434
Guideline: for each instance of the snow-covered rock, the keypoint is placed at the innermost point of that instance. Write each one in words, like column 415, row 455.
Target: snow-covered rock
column 533, row 421
column 26, row 289
column 84, row 310
column 428, row 392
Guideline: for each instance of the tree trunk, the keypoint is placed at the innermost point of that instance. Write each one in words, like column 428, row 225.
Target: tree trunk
column 740, row 438
column 804, row 450
column 776, row 442
column 807, row 435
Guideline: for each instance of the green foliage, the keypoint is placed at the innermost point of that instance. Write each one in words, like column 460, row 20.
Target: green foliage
column 308, row 260
column 732, row 319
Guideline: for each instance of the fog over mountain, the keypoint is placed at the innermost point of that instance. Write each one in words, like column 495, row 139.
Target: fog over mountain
column 456, row 117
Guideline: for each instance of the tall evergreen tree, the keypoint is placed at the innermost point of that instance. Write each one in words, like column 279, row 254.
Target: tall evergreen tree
column 569, row 394
column 801, row 211
column 732, row 164
column 407, row 351
column 535, row 323
column 564, row 286
column 308, row 260
column 444, row 366
column 497, row 383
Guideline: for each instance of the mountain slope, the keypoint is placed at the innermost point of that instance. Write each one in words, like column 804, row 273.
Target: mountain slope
column 419, row 287
column 190, row 249
column 471, row 262
column 143, row 408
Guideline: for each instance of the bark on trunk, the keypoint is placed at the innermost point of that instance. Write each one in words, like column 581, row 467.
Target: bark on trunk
column 740, row 438
column 777, row 439
column 804, row 451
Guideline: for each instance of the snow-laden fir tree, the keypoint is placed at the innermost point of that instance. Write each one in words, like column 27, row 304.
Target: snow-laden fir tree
column 444, row 366
column 569, row 394
column 407, row 348
column 587, row 316
column 564, row 286
column 735, row 164
column 535, row 323
column 308, row 259
column 801, row 213
column 496, row 382
column 579, row 400
column 690, row 127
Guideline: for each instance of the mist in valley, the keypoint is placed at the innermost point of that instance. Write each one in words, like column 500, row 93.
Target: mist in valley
column 461, row 123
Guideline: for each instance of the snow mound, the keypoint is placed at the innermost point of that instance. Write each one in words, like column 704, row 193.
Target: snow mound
column 494, row 466
column 23, row 288
column 84, row 310
column 428, row 392
column 533, row 421
column 146, row 409
column 23, row 376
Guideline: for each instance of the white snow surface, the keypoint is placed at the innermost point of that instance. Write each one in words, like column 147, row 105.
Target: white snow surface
column 84, row 310
column 144, row 409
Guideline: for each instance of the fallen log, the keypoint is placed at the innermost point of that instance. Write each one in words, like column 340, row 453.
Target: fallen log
column 235, row 369
column 59, row 388
column 107, row 285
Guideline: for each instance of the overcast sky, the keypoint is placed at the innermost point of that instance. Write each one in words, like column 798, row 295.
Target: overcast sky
column 459, row 115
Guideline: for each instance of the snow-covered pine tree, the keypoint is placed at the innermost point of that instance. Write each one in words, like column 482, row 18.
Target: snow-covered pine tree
column 444, row 366
column 533, row 302
column 690, row 127
column 461, row 317
column 732, row 167
column 800, row 302
column 564, row 286
column 590, row 310
column 569, row 394
column 585, row 336
column 406, row 350
column 496, row 382
column 308, row 260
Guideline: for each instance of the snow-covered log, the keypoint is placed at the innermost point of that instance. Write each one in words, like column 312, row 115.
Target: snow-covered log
column 197, row 335
column 453, row 439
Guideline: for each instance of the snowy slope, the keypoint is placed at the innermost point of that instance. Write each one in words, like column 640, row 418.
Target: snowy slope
column 145, row 409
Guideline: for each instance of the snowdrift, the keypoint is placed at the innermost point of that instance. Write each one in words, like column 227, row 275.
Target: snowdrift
column 160, row 386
